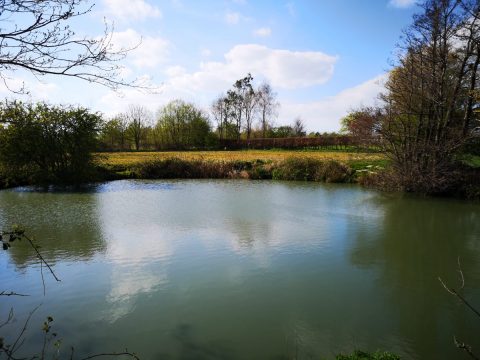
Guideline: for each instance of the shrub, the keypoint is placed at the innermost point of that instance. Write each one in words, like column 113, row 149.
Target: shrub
column 312, row 170
column 296, row 169
column 333, row 172
column 44, row 143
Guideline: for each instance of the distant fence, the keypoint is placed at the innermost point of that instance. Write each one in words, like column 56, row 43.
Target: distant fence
column 322, row 142
column 339, row 142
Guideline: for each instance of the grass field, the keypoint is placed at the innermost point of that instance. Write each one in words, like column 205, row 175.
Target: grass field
column 127, row 159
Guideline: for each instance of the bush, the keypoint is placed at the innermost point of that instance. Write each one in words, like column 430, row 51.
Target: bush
column 44, row 143
column 312, row 170
column 333, row 172
column 296, row 169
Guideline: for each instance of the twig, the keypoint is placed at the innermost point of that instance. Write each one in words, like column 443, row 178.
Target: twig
column 22, row 331
column 43, row 279
column 41, row 257
column 11, row 293
column 9, row 318
column 467, row 348
column 454, row 292
column 126, row 352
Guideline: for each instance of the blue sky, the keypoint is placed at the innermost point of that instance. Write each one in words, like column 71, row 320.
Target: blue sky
column 321, row 57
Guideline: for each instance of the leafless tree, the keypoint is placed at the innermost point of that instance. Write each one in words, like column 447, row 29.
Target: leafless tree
column 432, row 94
column 37, row 36
column 220, row 114
column 139, row 118
column 267, row 106
column 122, row 121
column 250, row 103
column 299, row 127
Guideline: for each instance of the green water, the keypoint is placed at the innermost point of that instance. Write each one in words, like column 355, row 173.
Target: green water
column 242, row 270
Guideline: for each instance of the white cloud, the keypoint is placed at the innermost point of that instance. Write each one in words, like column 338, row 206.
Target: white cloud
column 232, row 18
column 131, row 9
column 325, row 114
column 402, row 3
column 174, row 71
column 263, row 32
column 150, row 51
column 283, row 68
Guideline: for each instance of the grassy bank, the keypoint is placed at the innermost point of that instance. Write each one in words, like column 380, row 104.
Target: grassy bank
column 338, row 167
column 256, row 164
column 126, row 159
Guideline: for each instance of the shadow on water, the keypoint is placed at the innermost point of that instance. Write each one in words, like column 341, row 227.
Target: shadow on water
column 65, row 227
column 417, row 241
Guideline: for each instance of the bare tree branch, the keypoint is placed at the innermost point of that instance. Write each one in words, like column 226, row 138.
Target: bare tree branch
column 36, row 36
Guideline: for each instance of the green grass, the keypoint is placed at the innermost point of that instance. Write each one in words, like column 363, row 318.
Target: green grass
column 472, row 161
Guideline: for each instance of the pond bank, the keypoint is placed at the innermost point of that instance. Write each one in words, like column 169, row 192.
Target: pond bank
column 300, row 169
column 368, row 172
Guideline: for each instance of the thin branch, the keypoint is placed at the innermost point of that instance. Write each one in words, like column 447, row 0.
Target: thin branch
column 20, row 335
column 9, row 318
column 41, row 257
column 455, row 292
column 467, row 348
column 11, row 293
column 126, row 353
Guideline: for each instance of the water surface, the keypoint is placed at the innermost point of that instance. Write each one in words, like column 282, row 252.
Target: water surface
column 243, row 269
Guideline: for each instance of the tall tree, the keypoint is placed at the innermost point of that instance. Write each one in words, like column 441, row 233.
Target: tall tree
column 240, row 104
column 183, row 125
column 432, row 94
column 220, row 112
column 268, row 106
column 139, row 118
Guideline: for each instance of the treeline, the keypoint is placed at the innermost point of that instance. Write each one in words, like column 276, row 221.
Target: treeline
column 330, row 141
column 183, row 126
column 245, row 112
column 431, row 104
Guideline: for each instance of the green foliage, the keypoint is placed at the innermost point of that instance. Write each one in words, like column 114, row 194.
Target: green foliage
column 113, row 135
column 45, row 143
column 182, row 126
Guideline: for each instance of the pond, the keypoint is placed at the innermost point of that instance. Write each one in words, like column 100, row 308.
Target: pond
column 242, row 270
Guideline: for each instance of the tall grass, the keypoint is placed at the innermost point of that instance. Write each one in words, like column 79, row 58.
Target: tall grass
column 312, row 170
column 290, row 169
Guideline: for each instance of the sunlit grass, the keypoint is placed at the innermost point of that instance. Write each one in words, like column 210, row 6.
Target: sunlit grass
column 132, row 158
